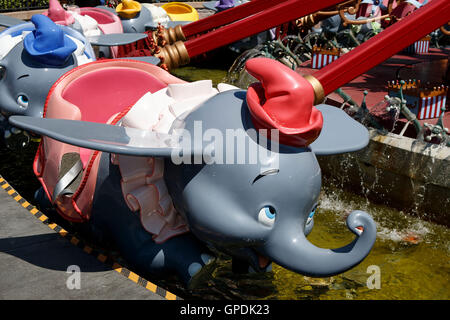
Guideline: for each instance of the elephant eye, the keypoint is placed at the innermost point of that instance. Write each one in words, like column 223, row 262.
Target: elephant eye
column 2, row 72
column 267, row 215
column 311, row 215
column 22, row 101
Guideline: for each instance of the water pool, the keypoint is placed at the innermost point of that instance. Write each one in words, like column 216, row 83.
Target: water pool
column 412, row 256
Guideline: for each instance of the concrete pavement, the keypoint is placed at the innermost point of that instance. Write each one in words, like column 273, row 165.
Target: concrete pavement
column 34, row 261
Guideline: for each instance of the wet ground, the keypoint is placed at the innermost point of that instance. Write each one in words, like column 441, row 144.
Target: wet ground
column 411, row 255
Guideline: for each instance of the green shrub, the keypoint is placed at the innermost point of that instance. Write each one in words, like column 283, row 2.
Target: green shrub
column 22, row 4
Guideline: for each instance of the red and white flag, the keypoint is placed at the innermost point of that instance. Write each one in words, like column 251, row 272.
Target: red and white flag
column 320, row 60
column 419, row 47
column 430, row 107
column 422, row 46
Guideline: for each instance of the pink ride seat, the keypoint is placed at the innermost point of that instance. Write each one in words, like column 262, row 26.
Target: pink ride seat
column 105, row 92
column 103, row 17
column 107, row 21
column 98, row 91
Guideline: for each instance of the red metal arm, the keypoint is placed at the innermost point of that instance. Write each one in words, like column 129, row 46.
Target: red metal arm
column 265, row 20
column 384, row 45
column 228, row 16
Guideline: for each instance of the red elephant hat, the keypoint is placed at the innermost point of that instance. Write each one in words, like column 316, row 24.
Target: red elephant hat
column 283, row 100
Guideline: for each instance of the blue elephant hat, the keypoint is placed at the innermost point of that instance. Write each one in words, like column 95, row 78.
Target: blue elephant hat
column 224, row 4
column 47, row 43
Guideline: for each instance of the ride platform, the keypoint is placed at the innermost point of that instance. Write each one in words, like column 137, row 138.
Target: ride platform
column 37, row 259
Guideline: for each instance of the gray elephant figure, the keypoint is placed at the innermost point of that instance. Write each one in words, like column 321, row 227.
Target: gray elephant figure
column 135, row 17
column 33, row 55
column 28, row 68
column 254, row 201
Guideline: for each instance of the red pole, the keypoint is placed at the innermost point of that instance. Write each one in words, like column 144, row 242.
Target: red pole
column 228, row 16
column 384, row 45
column 269, row 18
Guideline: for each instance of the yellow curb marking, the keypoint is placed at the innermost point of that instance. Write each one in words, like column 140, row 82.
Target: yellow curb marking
column 171, row 296
column 150, row 286
column 101, row 257
column 133, row 277
column 52, row 226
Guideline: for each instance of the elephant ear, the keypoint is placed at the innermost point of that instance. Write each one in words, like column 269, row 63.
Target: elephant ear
column 116, row 39
column 149, row 59
column 6, row 21
column 108, row 138
column 112, row 10
column 170, row 24
column 340, row 133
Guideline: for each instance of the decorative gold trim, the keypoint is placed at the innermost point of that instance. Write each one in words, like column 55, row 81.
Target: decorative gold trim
column 179, row 33
column 416, row 88
column 171, row 35
column 174, row 55
column 319, row 93
column 330, row 51
column 155, row 37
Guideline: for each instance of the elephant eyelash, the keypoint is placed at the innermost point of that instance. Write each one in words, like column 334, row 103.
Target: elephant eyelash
column 265, row 173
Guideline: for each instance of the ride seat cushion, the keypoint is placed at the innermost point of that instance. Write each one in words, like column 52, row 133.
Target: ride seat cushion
column 100, row 17
column 102, row 93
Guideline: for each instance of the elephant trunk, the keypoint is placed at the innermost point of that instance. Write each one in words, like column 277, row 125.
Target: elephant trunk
column 292, row 250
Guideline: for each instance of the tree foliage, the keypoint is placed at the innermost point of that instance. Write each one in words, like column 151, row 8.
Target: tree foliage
column 22, row 4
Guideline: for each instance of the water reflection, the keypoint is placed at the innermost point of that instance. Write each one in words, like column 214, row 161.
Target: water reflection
column 412, row 255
